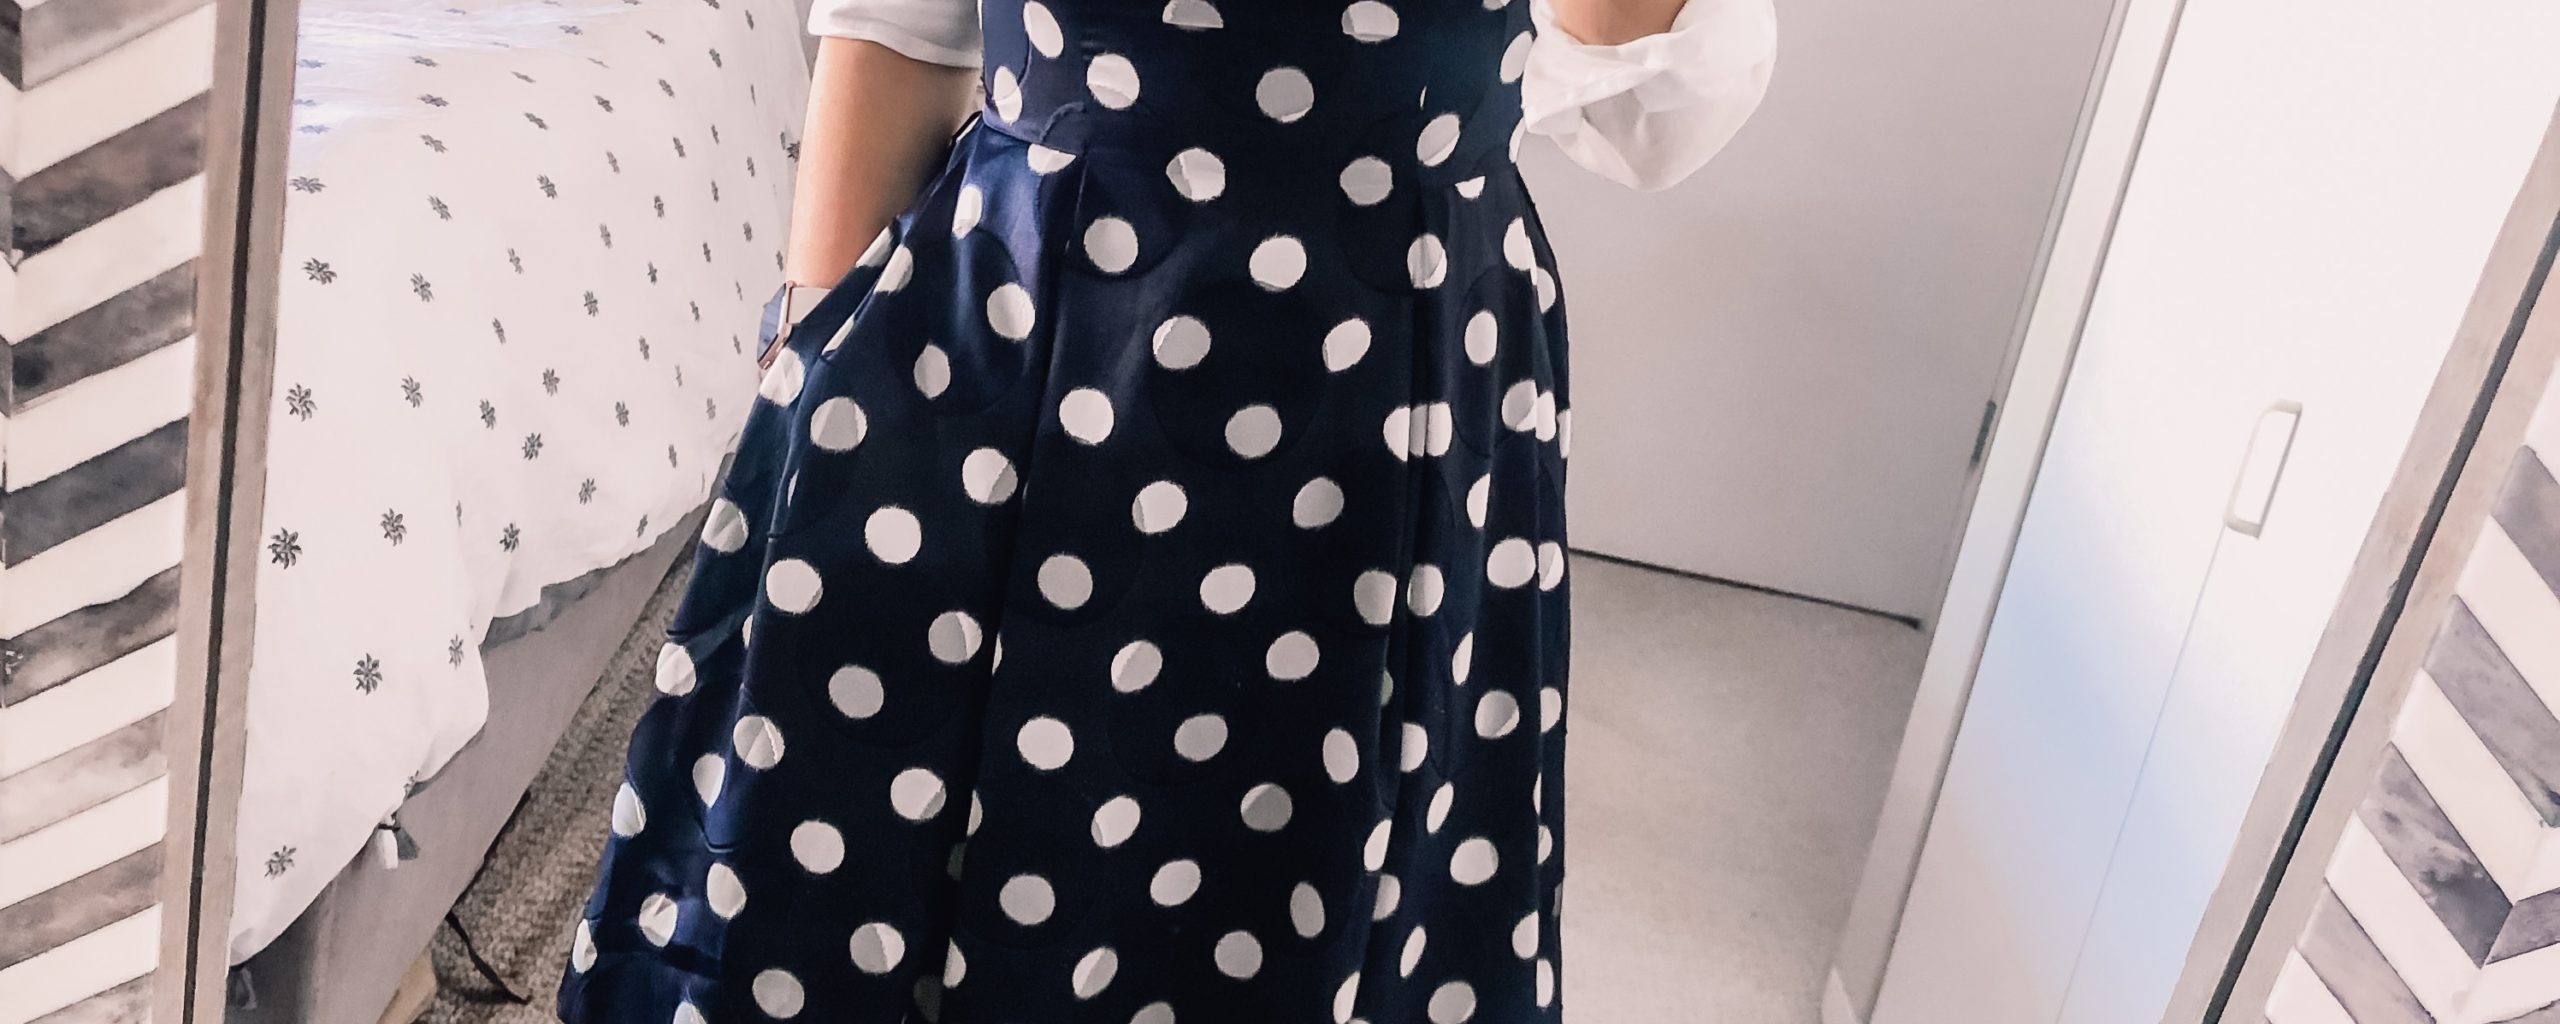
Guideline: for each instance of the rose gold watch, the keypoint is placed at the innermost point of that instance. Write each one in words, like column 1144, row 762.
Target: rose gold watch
column 782, row 312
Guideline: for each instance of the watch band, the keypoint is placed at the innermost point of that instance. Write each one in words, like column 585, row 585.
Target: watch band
column 783, row 312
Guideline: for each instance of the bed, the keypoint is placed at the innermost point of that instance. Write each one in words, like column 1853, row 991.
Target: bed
column 526, row 243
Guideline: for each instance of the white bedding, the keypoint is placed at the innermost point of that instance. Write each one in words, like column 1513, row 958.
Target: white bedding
column 525, row 246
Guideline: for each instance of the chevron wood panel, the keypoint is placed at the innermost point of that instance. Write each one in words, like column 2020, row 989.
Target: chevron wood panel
column 2443, row 897
column 102, row 122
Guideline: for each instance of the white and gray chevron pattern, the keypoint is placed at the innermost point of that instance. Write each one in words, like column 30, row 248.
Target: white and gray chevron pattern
column 2443, row 898
column 102, row 198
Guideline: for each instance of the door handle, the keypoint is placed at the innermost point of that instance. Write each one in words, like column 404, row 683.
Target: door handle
column 2253, row 492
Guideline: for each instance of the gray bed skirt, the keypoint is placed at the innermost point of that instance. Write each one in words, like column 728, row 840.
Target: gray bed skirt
column 340, row 961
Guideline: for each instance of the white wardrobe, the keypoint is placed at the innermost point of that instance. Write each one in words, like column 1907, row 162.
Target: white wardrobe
column 2302, row 232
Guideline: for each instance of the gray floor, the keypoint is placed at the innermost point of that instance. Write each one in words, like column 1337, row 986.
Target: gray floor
column 1728, row 752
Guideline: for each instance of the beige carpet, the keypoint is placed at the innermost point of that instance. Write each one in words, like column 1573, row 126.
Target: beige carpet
column 521, row 910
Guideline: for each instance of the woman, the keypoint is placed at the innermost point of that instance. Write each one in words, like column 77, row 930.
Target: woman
column 1140, row 592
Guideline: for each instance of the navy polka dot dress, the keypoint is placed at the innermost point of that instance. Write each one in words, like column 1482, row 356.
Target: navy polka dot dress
column 1140, row 595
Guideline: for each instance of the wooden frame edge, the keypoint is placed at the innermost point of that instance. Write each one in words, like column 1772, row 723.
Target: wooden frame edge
column 2503, row 358
column 246, row 144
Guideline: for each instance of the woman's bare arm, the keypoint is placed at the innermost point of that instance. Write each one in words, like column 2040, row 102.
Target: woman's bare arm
column 878, row 122
column 1611, row 22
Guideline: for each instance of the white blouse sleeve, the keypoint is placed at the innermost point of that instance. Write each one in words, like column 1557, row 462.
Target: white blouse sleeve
column 1649, row 112
column 933, row 31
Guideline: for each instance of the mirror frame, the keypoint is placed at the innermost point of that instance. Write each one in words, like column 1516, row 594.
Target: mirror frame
column 250, row 116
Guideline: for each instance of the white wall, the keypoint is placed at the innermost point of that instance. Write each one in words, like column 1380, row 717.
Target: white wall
column 1779, row 366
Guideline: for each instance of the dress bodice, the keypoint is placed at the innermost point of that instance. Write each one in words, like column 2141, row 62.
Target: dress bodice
column 1426, row 87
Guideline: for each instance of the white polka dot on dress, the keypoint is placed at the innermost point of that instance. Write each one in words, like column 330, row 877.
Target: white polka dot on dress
column 967, row 210
column 1390, row 895
column 1474, row 862
column 1497, row 713
column 1515, row 57
column 916, row 794
column 1181, row 342
column 1254, row 431
column 1278, row 262
column 1511, row 563
column 1285, row 94
column 900, row 269
column 1292, row 657
column 675, row 675
column 1193, row 14
column 1415, row 750
column 1374, row 595
column 1410, row 957
column 758, row 741
column 1027, row 899
column 877, row 947
column 722, row 891
column 1158, row 507
column 1226, row 589
column 792, row 585
column 1044, row 160
column 1306, row 911
column 1086, row 414
column 986, row 476
column 709, row 771
column 855, row 691
column 777, row 993
column 1524, row 936
column 582, row 948
column 1042, row 29
column 1317, row 504
column 1462, row 661
column 1266, row 808
column 1369, row 21
column 1373, row 853
column 1174, row 883
column 1112, row 244
column 933, row 371
column 724, row 528
column 1135, row 666
column 1479, row 496
column 1452, row 1003
column 1345, row 344
column 1426, row 262
column 1483, row 334
column 629, row 816
column 838, row 425
column 893, row 534
column 818, row 846
column 1423, row 589
column 1197, row 174
column 1115, row 821
column 1009, row 311
column 1045, row 743
column 1238, row 955
column 1346, row 999
column 1004, row 90
column 1550, row 708
column 1439, row 139
column 1113, row 80
column 1367, row 180
column 781, row 383
column 1066, row 581
column 1341, row 756
column 1094, row 972
column 953, row 637
column 657, row 919
column 1438, row 813
column 1154, row 1013
column 1200, row 737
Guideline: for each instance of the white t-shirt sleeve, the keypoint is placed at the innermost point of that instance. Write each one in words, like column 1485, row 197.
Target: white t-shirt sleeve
column 934, row 31
column 1649, row 112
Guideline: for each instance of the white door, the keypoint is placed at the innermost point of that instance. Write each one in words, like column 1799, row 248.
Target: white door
column 1779, row 368
column 2306, row 224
